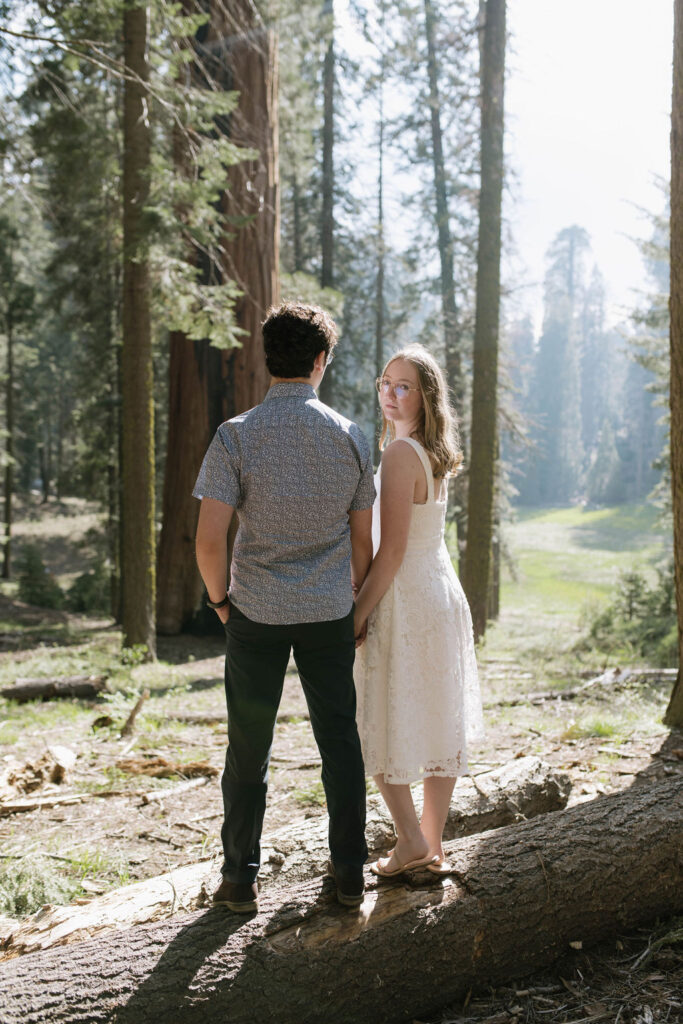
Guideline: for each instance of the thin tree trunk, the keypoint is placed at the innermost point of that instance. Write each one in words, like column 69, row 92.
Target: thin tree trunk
column 327, row 226
column 9, row 452
column 138, row 568
column 448, row 304
column 674, row 712
column 485, row 363
column 516, row 900
column 379, row 296
column 296, row 203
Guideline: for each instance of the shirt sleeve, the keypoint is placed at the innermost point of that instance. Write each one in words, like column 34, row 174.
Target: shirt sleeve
column 365, row 492
column 219, row 476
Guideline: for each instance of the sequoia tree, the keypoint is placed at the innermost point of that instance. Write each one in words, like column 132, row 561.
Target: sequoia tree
column 485, row 363
column 235, row 52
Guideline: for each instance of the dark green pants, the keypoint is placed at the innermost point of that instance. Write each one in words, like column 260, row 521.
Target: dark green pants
column 255, row 665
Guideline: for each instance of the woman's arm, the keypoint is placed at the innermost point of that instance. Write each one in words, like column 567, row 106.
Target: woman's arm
column 400, row 471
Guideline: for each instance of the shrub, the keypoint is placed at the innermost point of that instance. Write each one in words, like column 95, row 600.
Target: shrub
column 641, row 617
column 36, row 584
column 91, row 591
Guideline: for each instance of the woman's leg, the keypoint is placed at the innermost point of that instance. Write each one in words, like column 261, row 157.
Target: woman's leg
column 411, row 844
column 437, row 799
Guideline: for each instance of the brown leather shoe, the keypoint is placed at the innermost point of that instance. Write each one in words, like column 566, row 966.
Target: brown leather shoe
column 240, row 897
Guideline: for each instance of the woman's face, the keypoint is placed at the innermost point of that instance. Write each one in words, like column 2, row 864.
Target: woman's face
column 399, row 405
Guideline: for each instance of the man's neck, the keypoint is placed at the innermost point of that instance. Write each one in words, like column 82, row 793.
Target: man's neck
column 291, row 380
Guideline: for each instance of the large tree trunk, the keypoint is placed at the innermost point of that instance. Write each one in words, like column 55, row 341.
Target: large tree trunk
column 208, row 386
column 674, row 712
column 252, row 255
column 517, row 898
column 448, row 305
column 327, row 225
column 138, row 562
column 523, row 788
column 485, row 363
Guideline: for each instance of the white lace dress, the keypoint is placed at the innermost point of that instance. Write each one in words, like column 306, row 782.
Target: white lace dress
column 416, row 674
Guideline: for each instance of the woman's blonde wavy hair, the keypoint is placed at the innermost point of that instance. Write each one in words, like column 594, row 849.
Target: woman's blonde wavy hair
column 439, row 425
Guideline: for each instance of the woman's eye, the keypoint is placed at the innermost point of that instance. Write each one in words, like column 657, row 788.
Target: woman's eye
column 400, row 391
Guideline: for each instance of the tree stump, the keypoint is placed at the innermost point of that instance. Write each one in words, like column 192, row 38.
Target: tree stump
column 517, row 898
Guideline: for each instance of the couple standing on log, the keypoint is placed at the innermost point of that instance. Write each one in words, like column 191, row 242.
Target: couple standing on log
column 300, row 477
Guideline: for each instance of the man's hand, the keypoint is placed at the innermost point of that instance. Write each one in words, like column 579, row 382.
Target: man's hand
column 360, row 631
column 223, row 613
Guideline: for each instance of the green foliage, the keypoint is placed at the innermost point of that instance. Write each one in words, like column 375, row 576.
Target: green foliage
column 91, row 591
column 36, row 585
column 641, row 617
column 27, row 883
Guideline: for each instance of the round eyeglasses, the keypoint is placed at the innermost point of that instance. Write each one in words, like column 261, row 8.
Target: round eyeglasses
column 385, row 386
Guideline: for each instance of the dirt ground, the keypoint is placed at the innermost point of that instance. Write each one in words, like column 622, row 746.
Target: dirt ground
column 132, row 825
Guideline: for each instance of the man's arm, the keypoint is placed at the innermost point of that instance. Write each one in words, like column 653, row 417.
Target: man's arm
column 212, row 550
column 361, row 546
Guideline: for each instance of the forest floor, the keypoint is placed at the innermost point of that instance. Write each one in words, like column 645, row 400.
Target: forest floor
column 561, row 565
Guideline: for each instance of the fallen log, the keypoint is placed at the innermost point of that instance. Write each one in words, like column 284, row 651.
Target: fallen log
column 526, row 786
column 46, row 688
column 516, row 901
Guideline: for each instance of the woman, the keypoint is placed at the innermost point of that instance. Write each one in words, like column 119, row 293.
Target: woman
column 416, row 676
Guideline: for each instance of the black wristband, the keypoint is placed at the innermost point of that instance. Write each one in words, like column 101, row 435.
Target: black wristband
column 218, row 604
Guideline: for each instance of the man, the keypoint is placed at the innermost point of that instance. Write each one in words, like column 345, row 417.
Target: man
column 300, row 478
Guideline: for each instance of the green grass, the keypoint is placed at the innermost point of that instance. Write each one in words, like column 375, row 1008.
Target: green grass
column 562, row 568
column 310, row 796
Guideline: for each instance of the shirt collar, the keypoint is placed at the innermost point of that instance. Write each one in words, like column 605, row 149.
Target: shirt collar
column 287, row 390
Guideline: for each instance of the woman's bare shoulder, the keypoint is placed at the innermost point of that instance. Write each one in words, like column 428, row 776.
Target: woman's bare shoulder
column 400, row 456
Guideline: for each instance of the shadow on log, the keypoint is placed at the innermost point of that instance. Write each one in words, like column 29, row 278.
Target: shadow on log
column 522, row 788
column 518, row 897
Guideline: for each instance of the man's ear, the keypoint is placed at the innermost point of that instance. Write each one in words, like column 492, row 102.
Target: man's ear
column 320, row 361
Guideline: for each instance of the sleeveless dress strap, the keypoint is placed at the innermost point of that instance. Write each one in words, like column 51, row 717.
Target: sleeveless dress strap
column 426, row 464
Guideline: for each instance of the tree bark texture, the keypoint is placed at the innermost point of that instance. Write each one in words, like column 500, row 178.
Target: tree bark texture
column 180, row 585
column 518, row 896
column 448, row 304
column 674, row 712
column 138, row 563
column 252, row 255
column 208, row 386
column 521, row 789
column 485, row 362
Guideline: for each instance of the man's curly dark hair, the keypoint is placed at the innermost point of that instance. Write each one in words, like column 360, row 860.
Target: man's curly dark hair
column 293, row 335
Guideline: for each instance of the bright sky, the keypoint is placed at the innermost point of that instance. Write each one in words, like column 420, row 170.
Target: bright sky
column 588, row 99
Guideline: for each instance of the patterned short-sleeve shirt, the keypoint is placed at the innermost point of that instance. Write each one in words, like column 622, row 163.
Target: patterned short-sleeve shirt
column 293, row 469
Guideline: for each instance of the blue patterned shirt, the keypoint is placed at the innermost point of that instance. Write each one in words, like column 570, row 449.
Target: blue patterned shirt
column 293, row 469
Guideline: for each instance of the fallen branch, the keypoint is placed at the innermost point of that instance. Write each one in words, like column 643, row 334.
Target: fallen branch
column 293, row 854
column 518, row 899
column 130, row 721
column 145, row 796
column 50, row 688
